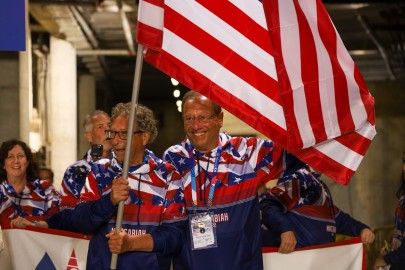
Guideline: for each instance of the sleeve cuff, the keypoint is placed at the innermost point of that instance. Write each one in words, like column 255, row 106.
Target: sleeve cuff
column 158, row 242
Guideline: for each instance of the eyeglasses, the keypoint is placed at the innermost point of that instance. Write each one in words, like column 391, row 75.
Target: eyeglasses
column 123, row 134
column 204, row 118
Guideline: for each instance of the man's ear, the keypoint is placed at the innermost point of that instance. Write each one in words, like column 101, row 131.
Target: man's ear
column 221, row 118
column 145, row 138
column 87, row 134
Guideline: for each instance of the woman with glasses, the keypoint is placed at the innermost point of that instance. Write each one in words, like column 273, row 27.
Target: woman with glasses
column 393, row 257
column 154, row 213
column 22, row 193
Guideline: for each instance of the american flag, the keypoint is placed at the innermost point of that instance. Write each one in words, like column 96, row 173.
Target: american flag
column 280, row 66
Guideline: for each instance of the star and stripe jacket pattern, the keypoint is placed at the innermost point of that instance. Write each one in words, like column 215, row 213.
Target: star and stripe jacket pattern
column 302, row 203
column 37, row 201
column 155, row 206
column 243, row 164
column 74, row 179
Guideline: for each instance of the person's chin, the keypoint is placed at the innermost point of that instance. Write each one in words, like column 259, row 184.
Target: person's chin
column 196, row 140
column 119, row 154
column 199, row 145
column 107, row 149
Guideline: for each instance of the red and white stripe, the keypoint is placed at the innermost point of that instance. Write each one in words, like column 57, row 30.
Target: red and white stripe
column 319, row 83
column 223, row 50
column 217, row 43
column 328, row 106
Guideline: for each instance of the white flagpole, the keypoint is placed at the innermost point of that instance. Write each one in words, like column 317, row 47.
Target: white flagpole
column 134, row 104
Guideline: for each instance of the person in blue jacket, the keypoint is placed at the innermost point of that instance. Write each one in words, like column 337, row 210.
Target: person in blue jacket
column 221, row 175
column 154, row 212
column 299, row 212
column 394, row 256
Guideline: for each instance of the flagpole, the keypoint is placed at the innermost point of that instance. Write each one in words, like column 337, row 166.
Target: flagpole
column 134, row 104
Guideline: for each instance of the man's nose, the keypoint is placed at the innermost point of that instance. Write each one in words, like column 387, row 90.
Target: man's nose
column 196, row 123
column 115, row 140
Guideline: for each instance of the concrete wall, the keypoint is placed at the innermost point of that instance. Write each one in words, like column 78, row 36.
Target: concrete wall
column 86, row 105
column 63, row 107
column 9, row 96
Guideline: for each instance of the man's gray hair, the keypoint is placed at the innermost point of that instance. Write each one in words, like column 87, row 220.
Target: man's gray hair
column 88, row 123
column 144, row 117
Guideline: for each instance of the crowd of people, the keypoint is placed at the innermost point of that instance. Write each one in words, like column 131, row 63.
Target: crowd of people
column 197, row 207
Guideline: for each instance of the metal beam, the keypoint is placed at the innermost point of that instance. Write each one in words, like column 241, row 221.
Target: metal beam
column 88, row 32
column 104, row 52
column 125, row 26
column 364, row 23
column 66, row 2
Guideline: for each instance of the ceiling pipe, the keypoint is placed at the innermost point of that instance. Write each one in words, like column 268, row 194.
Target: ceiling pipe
column 91, row 38
column 126, row 28
column 104, row 52
column 85, row 27
column 363, row 22
column 66, row 2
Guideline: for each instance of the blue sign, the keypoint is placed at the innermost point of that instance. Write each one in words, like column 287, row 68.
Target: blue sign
column 12, row 25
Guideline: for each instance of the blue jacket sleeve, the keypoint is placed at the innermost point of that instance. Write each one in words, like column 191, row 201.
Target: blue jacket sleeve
column 347, row 225
column 273, row 215
column 396, row 256
column 168, row 238
column 85, row 218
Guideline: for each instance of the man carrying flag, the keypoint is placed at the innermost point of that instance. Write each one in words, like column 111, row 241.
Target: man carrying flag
column 221, row 175
column 279, row 66
column 154, row 218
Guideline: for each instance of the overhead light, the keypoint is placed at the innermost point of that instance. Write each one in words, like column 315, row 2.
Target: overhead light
column 178, row 104
column 358, row 6
column 174, row 81
column 176, row 93
column 364, row 52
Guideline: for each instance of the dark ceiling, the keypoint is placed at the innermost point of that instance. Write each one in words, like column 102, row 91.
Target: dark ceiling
column 373, row 32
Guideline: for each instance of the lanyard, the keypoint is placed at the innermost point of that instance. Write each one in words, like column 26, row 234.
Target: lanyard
column 213, row 180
